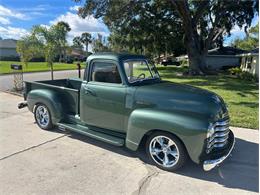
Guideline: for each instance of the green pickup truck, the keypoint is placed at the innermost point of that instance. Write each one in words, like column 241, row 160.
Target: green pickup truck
column 123, row 101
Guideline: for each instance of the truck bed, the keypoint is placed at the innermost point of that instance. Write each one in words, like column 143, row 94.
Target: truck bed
column 67, row 89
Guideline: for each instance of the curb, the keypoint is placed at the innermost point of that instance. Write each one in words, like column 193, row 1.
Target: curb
column 12, row 93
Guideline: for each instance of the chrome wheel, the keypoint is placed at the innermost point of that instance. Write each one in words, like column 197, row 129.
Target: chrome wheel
column 164, row 151
column 42, row 116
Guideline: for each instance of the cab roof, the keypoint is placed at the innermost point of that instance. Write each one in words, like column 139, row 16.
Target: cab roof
column 114, row 56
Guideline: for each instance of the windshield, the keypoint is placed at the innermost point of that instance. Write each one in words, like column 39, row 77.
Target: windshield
column 140, row 70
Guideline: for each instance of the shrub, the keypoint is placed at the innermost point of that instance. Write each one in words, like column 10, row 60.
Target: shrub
column 38, row 59
column 248, row 76
column 184, row 62
column 243, row 75
column 235, row 71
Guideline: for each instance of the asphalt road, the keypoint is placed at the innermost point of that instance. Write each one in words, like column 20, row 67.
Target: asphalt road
column 33, row 161
column 7, row 81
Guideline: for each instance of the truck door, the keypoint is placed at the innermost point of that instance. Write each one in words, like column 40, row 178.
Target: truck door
column 102, row 98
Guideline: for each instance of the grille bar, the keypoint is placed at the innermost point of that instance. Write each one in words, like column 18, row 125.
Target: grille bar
column 221, row 128
column 220, row 136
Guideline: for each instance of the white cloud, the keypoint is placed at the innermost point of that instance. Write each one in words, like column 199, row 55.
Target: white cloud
column 74, row 8
column 35, row 11
column 79, row 25
column 236, row 32
column 4, row 20
column 237, row 29
column 38, row 8
column 45, row 26
column 11, row 13
column 12, row 32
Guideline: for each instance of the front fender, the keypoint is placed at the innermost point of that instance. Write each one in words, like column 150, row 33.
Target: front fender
column 189, row 128
column 48, row 97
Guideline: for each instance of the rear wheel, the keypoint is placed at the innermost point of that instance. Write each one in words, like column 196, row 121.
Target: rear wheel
column 42, row 117
column 166, row 151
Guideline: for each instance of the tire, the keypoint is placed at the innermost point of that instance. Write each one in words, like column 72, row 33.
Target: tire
column 157, row 149
column 42, row 116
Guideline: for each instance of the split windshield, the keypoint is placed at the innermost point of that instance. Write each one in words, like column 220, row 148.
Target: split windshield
column 140, row 70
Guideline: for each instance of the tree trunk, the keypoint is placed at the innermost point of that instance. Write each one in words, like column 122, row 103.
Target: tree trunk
column 51, row 71
column 60, row 55
column 196, row 54
column 60, row 58
column 195, row 45
column 64, row 54
column 197, row 60
column 86, row 47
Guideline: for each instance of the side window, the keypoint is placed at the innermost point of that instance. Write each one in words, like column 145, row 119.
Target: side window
column 105, row 72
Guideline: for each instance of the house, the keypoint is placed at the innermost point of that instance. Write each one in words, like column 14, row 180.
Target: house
column 76, row 54
column 250, row 62
column 220, row 58
column 223, row 58
column 8, row 48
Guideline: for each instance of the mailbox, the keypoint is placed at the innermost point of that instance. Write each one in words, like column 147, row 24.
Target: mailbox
column 16, row 67
column 18, row 76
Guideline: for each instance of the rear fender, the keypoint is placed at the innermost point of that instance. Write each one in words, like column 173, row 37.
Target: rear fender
column 48, row 97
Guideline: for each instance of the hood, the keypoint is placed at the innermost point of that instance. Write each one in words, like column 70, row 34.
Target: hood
column 182, row 98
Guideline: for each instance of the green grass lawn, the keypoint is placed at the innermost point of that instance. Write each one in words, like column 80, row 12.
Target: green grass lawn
column 35, row 66
column 241, row 96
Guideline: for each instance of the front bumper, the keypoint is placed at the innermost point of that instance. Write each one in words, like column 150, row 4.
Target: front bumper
column 211, row 163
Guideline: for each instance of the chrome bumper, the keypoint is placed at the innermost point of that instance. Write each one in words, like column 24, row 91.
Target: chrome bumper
column 210, row 164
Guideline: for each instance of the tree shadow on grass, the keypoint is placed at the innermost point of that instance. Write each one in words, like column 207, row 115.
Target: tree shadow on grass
column 246, row 104
column 240, row 171
column 221, row 82
column 171, row 70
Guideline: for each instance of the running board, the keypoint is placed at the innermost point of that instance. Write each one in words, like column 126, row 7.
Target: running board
column 93, row 134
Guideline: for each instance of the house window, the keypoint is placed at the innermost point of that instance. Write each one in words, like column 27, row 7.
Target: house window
column 249, row 62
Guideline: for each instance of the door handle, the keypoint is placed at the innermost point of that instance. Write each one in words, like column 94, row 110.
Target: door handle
column 89, row 91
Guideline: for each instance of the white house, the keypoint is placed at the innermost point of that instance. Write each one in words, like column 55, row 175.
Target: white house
column 250, row 62
column 8, row 48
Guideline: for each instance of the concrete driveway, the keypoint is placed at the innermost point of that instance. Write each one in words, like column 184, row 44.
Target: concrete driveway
column 33, row 161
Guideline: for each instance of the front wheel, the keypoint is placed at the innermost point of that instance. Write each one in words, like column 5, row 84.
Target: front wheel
column 166, row 151
column 42, row 117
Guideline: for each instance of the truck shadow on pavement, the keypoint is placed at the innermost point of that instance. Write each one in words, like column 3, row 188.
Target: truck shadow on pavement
column 240, row 171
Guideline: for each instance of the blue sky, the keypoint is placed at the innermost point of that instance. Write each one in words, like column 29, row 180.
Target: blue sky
column 18, row 16
column 236, row 32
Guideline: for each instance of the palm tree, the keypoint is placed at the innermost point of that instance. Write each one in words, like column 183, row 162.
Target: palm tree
column 52, row 40
column 77, row 42
column 86, row 39
column 62, row 29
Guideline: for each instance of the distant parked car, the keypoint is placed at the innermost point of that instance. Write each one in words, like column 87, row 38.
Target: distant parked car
column 83, row 59
column 167, row 62
column 69, row 60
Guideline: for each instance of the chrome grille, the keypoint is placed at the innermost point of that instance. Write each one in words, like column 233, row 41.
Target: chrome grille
column 220, row 135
